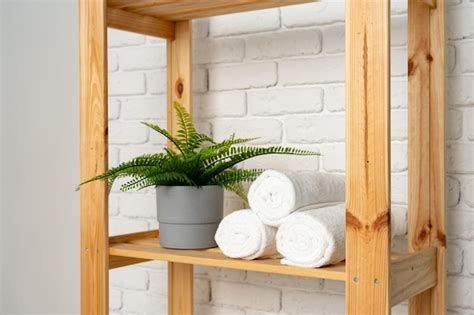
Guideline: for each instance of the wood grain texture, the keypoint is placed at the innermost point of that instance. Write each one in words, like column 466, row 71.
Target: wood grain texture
column 426, row 117
column 142, row 24
column 133, row 236
column 418, row 138
column 149, row 248
column 142, row 246
column 180, row 288
column 179, row 63
column 367, row 157
column 93, row 150
column 437, row 152
column 412, row 274
column 118, row 261
column 186, row 10
column 430, row 3
column 179, row 54
column 419, row 126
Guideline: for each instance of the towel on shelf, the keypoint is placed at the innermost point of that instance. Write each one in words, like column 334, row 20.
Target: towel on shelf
column 316, row 238
column 398, row 221
column 274, row 195
column 242, row 234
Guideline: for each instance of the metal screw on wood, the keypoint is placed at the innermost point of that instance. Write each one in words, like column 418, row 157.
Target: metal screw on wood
column 376, row 281
column 356, row 279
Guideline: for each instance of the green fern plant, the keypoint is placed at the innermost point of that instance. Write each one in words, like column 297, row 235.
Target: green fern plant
column 194, row 160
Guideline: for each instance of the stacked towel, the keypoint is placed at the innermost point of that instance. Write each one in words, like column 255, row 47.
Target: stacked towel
column 307, row 207
column 398, row 221
column 315, row 238
column 242, row 234
column 274, row 195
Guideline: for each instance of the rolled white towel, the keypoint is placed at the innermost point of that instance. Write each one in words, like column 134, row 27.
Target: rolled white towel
column 242, row 234
column 274, row 195
column 398, row 221
column 316, row 238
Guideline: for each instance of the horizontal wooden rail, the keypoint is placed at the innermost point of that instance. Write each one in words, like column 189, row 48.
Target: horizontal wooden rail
column 120, row 261
column 412, row 273
column 142, row 24
column 194, row 9
column 133, row 236
column 144, row 246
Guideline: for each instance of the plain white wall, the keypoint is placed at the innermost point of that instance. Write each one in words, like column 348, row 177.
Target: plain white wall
column 40, row 133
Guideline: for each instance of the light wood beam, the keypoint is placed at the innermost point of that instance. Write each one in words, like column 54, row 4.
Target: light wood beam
column 93, row 150
column 119, row 261
column 430, row 3
column 142, row 24
column 123, row 238
column 179, row 53
column 368, row 157
column 179, row 11
column 412, row 274
column 193, row 9
column 149, row 248
column 426, row 123
column 437, row 152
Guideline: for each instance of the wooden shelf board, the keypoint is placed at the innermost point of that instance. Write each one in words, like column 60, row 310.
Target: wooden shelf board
column 139, row 247
column 185, row 10
column 148, row 248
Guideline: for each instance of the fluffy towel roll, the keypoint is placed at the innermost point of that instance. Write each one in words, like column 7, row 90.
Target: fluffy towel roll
column 316, row 238
column 242, row 234
column 274, row 195
column 398, row 221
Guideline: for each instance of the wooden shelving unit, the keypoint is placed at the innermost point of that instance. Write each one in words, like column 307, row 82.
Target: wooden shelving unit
column 375, row 278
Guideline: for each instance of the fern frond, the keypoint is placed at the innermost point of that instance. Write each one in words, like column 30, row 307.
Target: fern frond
column 198, row 160
column 186, row 131
column 198, row 139
column 135, row 167
column 232, row 140
column 237, row 189
column 158, row 179
column 177, row 143
column 236, row 176
column 213, row 152
column 236, row 155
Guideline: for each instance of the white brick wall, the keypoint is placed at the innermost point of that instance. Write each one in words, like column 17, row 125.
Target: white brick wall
column 279, row 74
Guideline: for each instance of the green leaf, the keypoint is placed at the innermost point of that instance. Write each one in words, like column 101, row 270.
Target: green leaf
column 157, row 179
column 138, row 166
column 177, row 143
column 186, row 131
column 236, row 189
column 236, row 155
column 234, row 176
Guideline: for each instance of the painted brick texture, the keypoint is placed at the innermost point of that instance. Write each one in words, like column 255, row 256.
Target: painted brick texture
column 279, row 74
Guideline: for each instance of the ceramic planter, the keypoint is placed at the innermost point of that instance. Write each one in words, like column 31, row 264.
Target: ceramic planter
column 188, row 216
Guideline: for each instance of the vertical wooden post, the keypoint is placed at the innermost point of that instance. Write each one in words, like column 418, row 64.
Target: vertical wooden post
column 179, row 54
column 426, row 99
column 180, row 276
column 94, row 196
column 368, row 157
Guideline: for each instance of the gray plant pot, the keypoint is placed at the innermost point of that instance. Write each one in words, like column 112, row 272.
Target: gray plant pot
column 189, row 216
